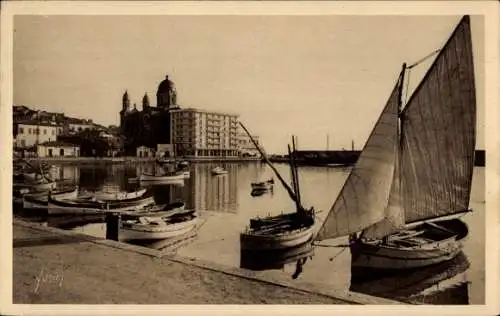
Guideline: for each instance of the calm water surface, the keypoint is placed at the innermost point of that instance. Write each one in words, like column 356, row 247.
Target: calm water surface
column 226, row 207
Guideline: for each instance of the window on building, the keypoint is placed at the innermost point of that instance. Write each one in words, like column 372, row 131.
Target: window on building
column 29, row 131
column 23, row 143
column 21, row 130
column 53, row 132
column 44, row 131
column 61, row 152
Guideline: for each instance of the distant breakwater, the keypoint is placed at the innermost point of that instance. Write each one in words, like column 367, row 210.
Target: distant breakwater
column 344, row 157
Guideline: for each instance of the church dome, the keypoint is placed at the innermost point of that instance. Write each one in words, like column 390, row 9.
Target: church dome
column 166, row 95
column 165, row 86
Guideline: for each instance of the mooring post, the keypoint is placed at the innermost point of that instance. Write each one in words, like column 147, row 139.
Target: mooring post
column 113, row 226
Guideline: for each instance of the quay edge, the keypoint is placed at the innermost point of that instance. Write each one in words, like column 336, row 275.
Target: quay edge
column 211, row 272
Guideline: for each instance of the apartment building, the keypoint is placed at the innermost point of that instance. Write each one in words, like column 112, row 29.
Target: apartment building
column 204, row 133
column 31, row 133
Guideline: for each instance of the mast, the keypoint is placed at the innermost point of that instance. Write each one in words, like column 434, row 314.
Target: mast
column 296, row 174
column 291, row 193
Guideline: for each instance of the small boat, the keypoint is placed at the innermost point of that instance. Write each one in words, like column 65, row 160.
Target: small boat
column 282, row 231
column 87, row 206
column 36, row 185
column 119, row 195
column 278, row 232
column 157, row 227
column 401, row 203
column 39, row 200
column 218, row 171
column 170, row 209
column 263, row 185
column 175, row 176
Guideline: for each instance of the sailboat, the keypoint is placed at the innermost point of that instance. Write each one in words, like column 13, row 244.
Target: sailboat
column 286, row 230
column 401, row 203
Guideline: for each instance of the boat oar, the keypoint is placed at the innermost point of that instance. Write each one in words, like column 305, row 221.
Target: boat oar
column 332, row 246
column 287, row 187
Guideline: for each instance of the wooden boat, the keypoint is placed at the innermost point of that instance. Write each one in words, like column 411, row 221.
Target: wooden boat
column 401, row 201
column 218, row 171
column 280, row 231
column 175, row 176
column 86, row 206
column 39, row 200
column 120, row 195
column 262, row 185
column 165, row 210
column 157, row 227
column 36, row 185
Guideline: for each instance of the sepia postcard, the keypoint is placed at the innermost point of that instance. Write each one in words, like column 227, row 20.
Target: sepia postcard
column 214, row 157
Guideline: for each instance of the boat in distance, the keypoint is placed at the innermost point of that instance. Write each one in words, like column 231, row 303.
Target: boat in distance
column 218, row 171
column 176, row 176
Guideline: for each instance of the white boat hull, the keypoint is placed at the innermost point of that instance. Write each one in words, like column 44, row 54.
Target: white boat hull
column 293, row 238
column 119, row 195
column 59, row 210
column 141, row 232
column 155, row 179
column 40, row 200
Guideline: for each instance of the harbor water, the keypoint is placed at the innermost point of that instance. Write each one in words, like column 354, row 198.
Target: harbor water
column 225, row 204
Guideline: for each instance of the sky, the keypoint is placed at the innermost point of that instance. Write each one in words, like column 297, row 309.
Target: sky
column 310, row 76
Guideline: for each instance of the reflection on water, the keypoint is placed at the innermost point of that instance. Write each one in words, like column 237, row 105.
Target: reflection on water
column 226, row 205
column 430, row 285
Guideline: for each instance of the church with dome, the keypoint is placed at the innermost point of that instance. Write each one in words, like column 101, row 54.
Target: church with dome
column 151, row 125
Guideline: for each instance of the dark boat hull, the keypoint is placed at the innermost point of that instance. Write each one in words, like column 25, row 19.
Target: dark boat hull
column 442, row 246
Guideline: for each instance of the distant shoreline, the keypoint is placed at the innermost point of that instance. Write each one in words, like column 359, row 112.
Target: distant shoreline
column 132, row 159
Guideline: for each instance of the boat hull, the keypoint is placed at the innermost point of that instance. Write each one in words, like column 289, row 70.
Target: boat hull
column 156, row 179
column 60, row 207
column 40, row 200
column 109, row 196
column 36, row 186
column 378, row 256
column 141, row 232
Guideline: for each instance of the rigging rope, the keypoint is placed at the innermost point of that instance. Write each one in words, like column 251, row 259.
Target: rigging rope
column 414, row 65
column 423, row 59
column 341, row 251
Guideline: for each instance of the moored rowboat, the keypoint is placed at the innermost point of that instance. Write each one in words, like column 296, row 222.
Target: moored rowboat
column 86, row 206
column 149, row 228
column 117, row 196
column 278, row 232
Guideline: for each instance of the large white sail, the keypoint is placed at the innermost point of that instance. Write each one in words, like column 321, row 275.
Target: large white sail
column 365, row 194
column 438, row 130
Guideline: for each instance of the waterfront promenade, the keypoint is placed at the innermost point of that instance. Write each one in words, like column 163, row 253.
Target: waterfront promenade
column 53, row 266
